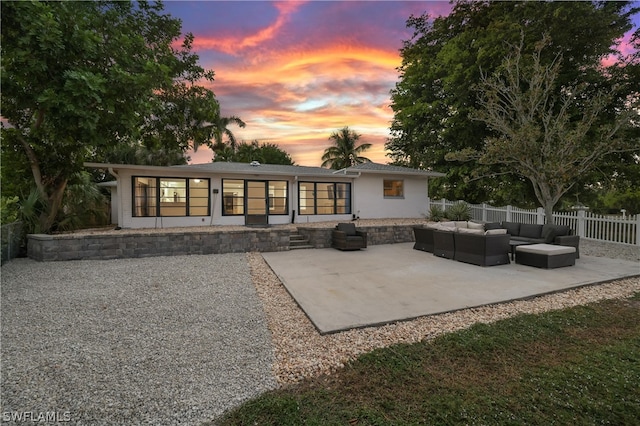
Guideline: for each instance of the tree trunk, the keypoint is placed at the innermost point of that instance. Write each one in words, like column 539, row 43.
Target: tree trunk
column 54, row 201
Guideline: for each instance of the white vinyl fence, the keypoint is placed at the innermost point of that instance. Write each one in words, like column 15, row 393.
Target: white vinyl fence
column 616, row 229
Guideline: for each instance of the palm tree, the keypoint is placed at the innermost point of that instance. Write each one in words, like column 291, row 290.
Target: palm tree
column 344, row 153
column 220, row 130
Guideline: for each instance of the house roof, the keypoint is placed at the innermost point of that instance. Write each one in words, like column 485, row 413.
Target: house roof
column 256, row 168
column 370, row 167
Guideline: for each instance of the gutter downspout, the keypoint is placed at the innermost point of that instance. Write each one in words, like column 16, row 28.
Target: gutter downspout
column 115, row 174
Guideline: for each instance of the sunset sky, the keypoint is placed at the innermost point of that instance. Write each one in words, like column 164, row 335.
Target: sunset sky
column 297, row 71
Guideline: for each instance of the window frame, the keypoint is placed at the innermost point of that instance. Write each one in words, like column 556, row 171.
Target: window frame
column 332, row 190
column 243, row 198
column 393, row 187
column 156, row 198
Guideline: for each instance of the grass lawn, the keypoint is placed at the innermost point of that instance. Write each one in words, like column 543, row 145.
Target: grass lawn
column 579, row 366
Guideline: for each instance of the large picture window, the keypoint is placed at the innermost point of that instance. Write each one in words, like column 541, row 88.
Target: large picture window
column 321, row 198
column 159, row 196
column 234, row 199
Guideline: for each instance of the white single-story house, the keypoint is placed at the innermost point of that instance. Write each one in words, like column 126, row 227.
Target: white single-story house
column 262, row 194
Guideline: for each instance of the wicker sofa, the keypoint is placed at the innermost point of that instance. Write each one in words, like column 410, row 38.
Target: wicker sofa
column 487, row 244
column 540, row 234
column 464, row 241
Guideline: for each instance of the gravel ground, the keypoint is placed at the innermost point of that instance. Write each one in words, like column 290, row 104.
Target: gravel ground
column 170, row 340
column 162, row 340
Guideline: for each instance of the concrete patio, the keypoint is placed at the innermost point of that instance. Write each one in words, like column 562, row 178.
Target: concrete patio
column 388, row 283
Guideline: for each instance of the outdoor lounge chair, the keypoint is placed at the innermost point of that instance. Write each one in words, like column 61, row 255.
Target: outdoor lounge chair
column 347, row 237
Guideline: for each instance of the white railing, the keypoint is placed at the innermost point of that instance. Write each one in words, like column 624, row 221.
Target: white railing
column 616, row 229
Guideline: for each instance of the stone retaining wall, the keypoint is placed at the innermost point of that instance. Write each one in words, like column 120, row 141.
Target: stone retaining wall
column 46, row 248
column 113, row 246
column 388, row 234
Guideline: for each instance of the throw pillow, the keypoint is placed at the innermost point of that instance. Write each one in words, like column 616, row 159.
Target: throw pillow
column 496, row 232
column 549, row 235
column 461, row 224
column 492, row 225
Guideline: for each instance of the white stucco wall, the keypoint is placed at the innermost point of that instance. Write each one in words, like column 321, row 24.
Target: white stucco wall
column 370, row 202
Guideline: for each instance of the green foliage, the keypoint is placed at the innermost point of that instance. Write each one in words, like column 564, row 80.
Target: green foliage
column 458, row 211
column 345, row 152
column 31, row 209
column 9, row 209
column 84, row 206
column 436, row 214
column 443, row 63
column 265, row 153
column 574, row 366
column 549, row 133
column 80, row 78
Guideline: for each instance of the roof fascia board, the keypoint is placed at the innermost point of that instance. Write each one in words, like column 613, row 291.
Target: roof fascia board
column 184, row 170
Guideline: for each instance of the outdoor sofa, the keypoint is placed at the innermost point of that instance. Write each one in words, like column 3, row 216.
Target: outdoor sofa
column 464, row 241
column 347, row 237
column 539, row 234
column 487, row 244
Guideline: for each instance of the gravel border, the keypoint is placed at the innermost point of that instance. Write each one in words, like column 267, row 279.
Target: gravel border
column 161, row 340
column 301, row 352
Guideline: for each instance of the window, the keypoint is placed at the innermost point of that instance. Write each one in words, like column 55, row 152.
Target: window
column 233, row 197
column 324, row 198
column 234, row 200
column 158, row 196
column 278, row 190
column 393, row 189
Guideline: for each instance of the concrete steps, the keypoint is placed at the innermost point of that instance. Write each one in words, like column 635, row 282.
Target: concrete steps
column 298, row 242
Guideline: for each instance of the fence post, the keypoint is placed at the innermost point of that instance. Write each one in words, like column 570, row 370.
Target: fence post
column 508, row 213
column 637, row 229
column 540, row 216
column 484, row 212
column 581, row 223
column 428, row 207
column 444, row 204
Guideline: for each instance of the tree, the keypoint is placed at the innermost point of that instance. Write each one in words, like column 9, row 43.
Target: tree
column 546, row 132
column 435, row 99
column 220, row 129
column 79, row 78
column 265, row 153
column 344, row 152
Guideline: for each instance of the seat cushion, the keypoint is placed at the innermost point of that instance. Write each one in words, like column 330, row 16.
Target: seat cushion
column 347, row 228
column 530, row 231
column 546, row 249
column 470, row 231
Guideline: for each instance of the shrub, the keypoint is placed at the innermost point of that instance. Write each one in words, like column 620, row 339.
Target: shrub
column 436, row 213
column 459, row 211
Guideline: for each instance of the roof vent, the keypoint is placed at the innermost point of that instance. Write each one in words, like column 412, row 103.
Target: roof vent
column 254, row 163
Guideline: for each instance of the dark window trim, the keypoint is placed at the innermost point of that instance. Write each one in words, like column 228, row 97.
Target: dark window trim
column 244, row 192
column 157, row 195
column 244, row 196
column 286, row 198
column 335, row 198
